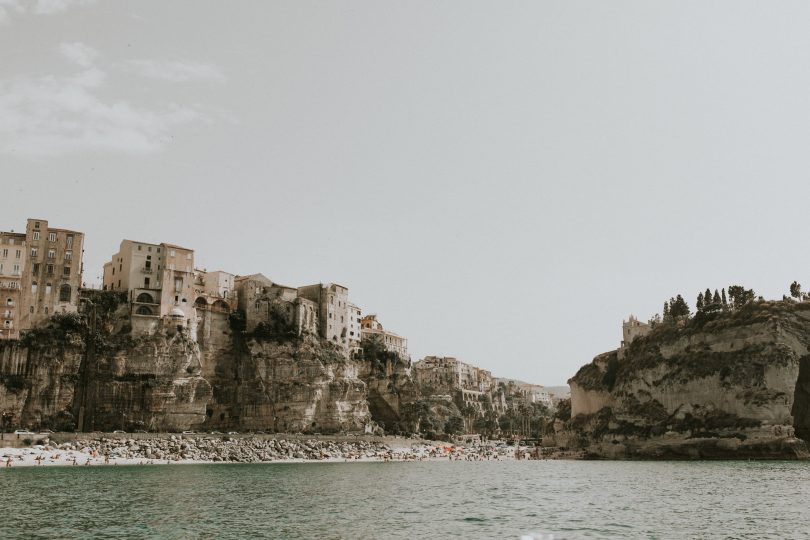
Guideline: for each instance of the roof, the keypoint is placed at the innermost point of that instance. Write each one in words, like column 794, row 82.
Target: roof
column 175, row 246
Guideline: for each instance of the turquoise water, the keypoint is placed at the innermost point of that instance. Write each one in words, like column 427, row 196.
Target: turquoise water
column 410, row 500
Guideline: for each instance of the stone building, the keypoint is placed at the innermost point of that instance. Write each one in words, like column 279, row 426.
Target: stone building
column 159, row 282
column 370, row 326
column 215, row 290
column 334, row 316
column 40, row 274
column 261, row 300
column 355, row 327
column 633, row 328
column 446, row 374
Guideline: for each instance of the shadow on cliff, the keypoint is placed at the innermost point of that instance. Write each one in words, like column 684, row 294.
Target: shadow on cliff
column 801, row 400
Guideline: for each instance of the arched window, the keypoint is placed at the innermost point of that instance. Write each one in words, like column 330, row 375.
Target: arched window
column 9, row 301
column 143, row 310
column 144, row 298
column 64, row 293
column 201, row 303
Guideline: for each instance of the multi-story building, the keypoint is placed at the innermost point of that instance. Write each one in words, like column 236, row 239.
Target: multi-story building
column 333, row 311
column 43, row 268
column 158, row 279
column 370, row 327
column 261, row 300
column 355, row 327
column 448, row 374
column 215, row 290
column 12, row 257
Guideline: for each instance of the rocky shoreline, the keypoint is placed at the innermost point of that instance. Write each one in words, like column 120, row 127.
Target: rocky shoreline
column 227, row 449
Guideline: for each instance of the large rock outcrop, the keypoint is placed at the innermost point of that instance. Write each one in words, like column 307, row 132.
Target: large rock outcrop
column 727, row 384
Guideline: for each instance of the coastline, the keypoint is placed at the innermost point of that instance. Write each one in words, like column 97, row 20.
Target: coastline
column 209, row 449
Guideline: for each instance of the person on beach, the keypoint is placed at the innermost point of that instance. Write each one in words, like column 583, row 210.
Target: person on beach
column 106, row 459
column 74, row 460
column 8, row 462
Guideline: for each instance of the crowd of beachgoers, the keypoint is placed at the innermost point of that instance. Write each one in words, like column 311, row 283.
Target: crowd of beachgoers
column 225, row 449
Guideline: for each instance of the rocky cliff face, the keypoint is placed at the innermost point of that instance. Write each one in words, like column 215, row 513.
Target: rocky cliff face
column 732, row 384
column 65, row 376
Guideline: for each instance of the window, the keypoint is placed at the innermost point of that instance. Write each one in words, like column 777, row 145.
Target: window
column 51, row 253
column 16, row 270
column 69, row 241
column 36, row 235
column 158, row 250
column 47, row 288
column 33, row 253
column 7, row 324
column 31, row 309
column 9, row 301
column 46, row 311
column 11, row 241
column 36, row 224
column 139, row 248
column 5, row 253
column 36, row 268
column 66, row 271
column 171, row 253
column 64, row 293
column 49, row 269
column 149, row 249
column 146, row 283
column 34, row 287
column 1, row 269
column 19, row 252
column 68, row 255
column 52, row 237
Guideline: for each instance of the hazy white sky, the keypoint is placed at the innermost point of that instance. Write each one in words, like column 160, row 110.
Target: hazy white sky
column 499, row 181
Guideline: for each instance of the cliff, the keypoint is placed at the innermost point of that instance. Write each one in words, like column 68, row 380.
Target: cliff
column 726, row 384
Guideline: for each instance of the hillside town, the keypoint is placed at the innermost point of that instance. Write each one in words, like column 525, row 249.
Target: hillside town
column 162, row 290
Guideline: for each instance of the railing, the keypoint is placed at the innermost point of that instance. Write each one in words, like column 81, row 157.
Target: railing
column 146, row 270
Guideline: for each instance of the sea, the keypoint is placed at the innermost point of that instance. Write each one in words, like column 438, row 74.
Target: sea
column 454, row 500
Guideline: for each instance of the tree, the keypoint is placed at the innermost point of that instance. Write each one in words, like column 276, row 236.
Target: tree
column 699, row 301
column 796, row 290
column 716, row 299
column 678, row 308
column 723, row 296
column 740, row 296
column 707, row 296
column 666, row 317
column 454, row 425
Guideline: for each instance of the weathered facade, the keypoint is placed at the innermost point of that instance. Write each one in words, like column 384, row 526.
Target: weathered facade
column 40, row 274
column 159, row 281
column 333, row 312
column 371, row 327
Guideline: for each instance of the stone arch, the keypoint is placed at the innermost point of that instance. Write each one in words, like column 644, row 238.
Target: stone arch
column 201, row 303
column 220, row 305
column 145, row 298
column 143, row 310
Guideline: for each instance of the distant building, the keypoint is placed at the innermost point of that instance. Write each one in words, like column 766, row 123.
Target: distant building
column 261, row 300
column 215, row 290
column 40, row 274
column 159, row 282
column 355, row 328
column 446, row 374
column 370, row 326
column 633, row 328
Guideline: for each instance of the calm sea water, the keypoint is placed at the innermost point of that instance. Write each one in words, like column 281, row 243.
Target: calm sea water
column 410, row 500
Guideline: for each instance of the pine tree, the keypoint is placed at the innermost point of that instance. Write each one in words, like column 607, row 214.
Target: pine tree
column 666, row 312
column 723, row 295
column 716, row 298
column 699, row 302
column 679, row 308
column 707, row 296
column 796, row 290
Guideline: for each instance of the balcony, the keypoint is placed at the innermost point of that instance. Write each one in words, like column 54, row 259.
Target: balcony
column 146, row 270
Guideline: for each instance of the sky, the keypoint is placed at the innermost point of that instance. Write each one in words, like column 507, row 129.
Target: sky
column 503, row 182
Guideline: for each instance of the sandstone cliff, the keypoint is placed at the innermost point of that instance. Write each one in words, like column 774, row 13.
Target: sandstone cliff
column 91, row 374
column 728, row 384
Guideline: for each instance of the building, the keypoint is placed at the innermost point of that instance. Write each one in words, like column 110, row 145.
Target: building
column 370, row 327
column 40, row 274
column 12, row 262
column 215, row 290
column 446, row 374
column 158, row 280
column 355, row 327
column 261, row 300
column 633, row 328
column 334, row 317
